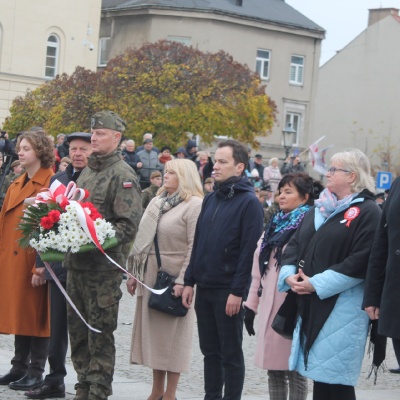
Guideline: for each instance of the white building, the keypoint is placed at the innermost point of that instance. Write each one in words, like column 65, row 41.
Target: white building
column 358, row 96
column 42, row 38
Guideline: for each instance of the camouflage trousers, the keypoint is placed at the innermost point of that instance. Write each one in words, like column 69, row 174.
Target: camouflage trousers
column 96, row 295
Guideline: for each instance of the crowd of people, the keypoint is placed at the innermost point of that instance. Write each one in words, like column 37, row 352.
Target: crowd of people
column 241, row 241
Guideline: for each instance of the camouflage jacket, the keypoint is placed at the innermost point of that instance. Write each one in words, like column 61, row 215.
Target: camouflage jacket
column 8, row 180
column 148, row 194
column 114, row 190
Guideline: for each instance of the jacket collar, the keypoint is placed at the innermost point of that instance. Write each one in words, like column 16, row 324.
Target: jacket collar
column 97, row 163
column 40, row 179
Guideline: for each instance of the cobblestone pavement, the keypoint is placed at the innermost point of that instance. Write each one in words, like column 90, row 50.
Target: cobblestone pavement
column 256, row 379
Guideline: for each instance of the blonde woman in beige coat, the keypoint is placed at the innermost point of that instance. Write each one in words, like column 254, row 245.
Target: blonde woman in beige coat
column 161, row 341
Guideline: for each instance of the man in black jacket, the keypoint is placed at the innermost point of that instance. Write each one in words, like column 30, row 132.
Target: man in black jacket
column 80, row 149
column 228, row 228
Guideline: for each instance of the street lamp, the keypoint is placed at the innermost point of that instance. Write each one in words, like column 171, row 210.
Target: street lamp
column 289, row 136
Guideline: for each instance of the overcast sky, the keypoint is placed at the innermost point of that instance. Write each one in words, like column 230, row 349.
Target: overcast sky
column 342, row 20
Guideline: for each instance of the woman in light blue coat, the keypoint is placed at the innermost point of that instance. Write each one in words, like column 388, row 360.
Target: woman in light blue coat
column 325, row 264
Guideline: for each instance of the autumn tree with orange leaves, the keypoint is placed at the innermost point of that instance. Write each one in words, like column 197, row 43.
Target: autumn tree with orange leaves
column 165, row 87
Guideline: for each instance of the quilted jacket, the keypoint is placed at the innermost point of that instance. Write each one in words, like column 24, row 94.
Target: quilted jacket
column 337, row 353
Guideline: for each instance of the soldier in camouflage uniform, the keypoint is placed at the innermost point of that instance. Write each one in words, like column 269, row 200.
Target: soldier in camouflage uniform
column 16, row 171
column 149, row 193
column 93, row 282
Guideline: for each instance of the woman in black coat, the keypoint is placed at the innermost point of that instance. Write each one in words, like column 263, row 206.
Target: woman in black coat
column 381, row 296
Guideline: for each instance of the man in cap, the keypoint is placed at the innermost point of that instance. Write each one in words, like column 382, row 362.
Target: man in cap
column 258, row 165
column 191, row 150
column 147, row 162
column 80, row 149
column 149, row 193
column 93, row 282
column 208, row 186
column 147, row 135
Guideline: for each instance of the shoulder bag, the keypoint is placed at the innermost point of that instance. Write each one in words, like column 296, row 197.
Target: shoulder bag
column 166, row 302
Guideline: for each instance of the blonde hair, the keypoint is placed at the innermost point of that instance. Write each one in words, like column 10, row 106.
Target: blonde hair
column 356, row 161
column 188, row 178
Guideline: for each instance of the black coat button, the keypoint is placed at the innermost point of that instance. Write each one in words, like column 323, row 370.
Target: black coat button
column 397, row 252
column 15, row 253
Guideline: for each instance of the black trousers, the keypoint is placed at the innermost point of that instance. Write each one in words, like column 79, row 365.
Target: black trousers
column 30, row 354
column 220, row 339
column 396, row 347
column 58, row 336
column 326, row 391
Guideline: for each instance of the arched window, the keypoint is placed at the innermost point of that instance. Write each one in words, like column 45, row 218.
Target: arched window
column 52, row 54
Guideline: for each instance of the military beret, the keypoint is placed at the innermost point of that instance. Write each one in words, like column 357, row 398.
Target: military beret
column 79, row 135
column 148, row 141
column 15, row 163
column 155, row 174
column 209, row 180
column 108, row 120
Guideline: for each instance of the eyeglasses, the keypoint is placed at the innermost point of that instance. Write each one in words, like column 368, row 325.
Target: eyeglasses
column 332, row 170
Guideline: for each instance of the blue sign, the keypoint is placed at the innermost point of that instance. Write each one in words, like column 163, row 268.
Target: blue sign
column 383, row 180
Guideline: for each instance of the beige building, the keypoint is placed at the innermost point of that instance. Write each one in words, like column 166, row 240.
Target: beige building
column 42, row 38
column 358, row 96
column 269, row 36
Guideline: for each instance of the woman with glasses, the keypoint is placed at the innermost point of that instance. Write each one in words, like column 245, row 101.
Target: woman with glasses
column 325, row 263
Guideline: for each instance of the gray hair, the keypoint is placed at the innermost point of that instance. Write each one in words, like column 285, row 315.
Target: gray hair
column 272, row 160
column 130, row 141
column 147, row 135
column 60, row 135
column 356, row 161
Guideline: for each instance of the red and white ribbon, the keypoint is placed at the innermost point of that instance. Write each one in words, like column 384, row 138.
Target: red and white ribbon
column 71, row 195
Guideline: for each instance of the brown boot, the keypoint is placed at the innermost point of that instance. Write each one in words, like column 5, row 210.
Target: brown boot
column 81, row 394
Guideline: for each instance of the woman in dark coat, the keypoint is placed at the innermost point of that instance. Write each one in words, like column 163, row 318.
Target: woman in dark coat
column 325, row 263
column 381, row 298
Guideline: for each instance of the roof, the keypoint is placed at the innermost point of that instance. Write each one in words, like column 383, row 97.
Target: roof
column 271, row 11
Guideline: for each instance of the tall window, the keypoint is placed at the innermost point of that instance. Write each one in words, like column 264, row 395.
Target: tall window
column 297, row 70
column 294, row 119
column 104, row 51
column 52, row 53
column 262, row 63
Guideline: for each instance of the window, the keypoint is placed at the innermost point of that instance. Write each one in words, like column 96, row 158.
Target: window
column 297, row 70
column 294, row 119
column 187, row 41
column 104, row 51
column 262, row 63
column 52, row 56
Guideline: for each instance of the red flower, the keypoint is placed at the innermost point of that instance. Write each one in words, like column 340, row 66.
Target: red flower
column 94, row 213
column 46, row 222
column 54, row 215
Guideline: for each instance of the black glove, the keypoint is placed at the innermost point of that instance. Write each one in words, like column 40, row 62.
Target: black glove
column 249, row 316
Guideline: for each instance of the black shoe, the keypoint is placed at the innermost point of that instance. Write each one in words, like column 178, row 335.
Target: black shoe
column 46, row 392
column 10, row 377
column 395, row 370
column 27, row 382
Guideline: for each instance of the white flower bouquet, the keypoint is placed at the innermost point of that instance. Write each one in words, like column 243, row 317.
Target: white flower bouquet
column 54, row 225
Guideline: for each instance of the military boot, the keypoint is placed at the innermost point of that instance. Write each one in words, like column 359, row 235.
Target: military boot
column 81, row 394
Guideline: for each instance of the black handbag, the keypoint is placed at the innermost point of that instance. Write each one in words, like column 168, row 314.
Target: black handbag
column 166, row 302
column 286, row 317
